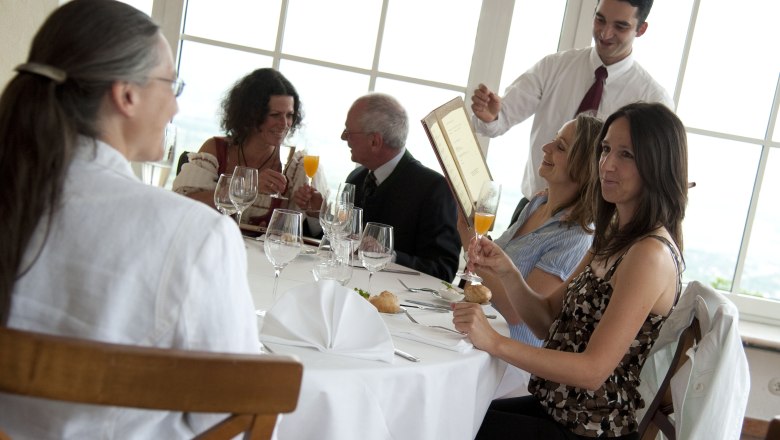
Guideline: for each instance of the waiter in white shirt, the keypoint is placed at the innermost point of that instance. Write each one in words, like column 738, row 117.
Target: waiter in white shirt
column 554, row 87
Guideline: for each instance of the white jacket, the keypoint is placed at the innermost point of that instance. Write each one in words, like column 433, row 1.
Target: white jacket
column 710, row 391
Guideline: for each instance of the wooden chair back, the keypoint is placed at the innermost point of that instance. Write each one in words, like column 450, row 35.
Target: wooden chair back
column 774, row 429
column 661, row 408
column 253, row 389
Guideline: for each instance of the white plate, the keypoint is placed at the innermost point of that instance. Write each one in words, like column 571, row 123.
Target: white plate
column 452, row 295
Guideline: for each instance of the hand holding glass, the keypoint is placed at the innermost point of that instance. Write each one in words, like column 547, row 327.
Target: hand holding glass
column 243, row 188
column 484, row 215
column 283, row 240
column 376, row 248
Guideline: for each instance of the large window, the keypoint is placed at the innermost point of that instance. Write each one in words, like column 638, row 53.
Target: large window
column 427, row 52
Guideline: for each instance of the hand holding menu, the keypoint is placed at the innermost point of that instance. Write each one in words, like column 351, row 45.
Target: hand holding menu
column 453, row 139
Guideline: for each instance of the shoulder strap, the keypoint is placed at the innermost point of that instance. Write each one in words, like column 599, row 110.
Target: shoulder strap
column 221, row 145
column 676, row 260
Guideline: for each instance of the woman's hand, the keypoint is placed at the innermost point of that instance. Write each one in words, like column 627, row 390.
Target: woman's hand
column 272, row 181
column 470, row 319
column 308, row 198
column 485, row 255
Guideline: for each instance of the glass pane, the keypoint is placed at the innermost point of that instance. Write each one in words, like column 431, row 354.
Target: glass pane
column 418, row 100
column 660, row 49
column 207, row 82
column 144, row 6
column 724, row 172
column 326, row 95
column 252, row 23
column 536, row 29
column 430, row 39
column 338, row 31
column 760, row 276
column 730, row 79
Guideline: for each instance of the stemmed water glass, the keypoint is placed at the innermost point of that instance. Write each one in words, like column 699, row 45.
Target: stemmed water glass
column 484, row 215
column 243, row 188
column 376, row 248
column 283, row 241
column 335, row 214
column 156, row 173
column 222, row 195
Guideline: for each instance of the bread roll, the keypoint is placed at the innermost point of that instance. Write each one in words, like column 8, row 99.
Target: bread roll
column 477, row 293
column 386, row 302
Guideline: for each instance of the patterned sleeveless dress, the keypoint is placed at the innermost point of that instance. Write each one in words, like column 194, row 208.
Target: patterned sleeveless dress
column 609, row 411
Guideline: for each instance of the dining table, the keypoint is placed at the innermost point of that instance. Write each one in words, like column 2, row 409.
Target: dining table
column 443, row 395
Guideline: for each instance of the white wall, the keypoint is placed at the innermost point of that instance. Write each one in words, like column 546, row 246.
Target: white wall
column 19, row 20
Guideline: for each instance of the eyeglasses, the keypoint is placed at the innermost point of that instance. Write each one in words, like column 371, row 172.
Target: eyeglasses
column 346, row 134
column 177, row 85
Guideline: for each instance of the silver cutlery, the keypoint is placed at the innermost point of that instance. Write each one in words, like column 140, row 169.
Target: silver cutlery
column 420, row 289
column 443, row 308
column 411, row 318
column 433, row 309
column 406, row 355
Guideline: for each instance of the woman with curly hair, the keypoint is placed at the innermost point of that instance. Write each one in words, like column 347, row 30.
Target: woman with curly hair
column 259, row 112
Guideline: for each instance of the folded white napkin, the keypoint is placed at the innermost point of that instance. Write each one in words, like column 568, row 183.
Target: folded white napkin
column 330, row 318
column 431, row 336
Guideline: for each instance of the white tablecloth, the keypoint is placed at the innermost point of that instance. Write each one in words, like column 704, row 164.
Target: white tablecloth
column 445, row 396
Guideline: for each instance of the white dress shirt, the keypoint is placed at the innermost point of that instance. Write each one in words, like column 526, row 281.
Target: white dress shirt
column 128, row 263
column 552, row 90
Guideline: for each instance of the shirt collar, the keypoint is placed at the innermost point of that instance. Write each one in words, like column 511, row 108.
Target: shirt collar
column 384, row 171
column 614, row 71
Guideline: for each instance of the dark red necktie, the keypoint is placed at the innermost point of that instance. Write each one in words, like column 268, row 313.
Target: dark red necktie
column 593, row 97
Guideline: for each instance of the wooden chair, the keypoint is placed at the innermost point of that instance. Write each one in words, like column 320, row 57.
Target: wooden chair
column 774, row 429
column 82, row 371
column 658, row 415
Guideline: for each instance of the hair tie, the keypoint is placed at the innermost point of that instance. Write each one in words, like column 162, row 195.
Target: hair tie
column 53, row 73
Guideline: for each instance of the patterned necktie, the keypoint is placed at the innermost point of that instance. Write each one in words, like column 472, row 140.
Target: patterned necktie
column 369, row 186
column 592, row 99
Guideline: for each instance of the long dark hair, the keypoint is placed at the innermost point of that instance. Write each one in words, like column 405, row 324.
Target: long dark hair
column 246, row 105
column 82, row 48
column 661, row 154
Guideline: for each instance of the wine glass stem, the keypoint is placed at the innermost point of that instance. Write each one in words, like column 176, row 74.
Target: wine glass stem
column 276, row 282
column 369, row 281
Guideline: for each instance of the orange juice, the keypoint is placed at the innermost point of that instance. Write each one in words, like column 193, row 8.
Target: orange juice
column 483, row 221
column 310, row 164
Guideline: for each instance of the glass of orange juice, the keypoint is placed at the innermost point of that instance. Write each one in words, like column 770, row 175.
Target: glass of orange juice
column 484, row 215
column 310, row 165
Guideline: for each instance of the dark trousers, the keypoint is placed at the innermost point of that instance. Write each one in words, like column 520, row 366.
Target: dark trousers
column 525, row 418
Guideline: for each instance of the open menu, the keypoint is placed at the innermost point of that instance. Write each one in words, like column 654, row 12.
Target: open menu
column 453, row 139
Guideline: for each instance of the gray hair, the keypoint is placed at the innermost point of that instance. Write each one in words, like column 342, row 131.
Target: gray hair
column 386, row 116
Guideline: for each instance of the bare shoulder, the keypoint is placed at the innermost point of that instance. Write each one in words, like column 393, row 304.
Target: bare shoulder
column 650, row 267
column 210, row 146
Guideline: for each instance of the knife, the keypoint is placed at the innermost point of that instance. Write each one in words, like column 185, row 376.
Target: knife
column 435, row 309
column 406, row 355
column 401, row 271
column 442, row 308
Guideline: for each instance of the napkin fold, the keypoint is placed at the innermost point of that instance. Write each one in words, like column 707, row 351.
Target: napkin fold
column 330, row 318
column 431, row 336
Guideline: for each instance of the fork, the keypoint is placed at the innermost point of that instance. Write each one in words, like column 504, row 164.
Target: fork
column 411, row 318
column 434, row 292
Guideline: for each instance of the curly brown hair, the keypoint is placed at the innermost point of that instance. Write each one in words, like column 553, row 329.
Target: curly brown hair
column 246, row 105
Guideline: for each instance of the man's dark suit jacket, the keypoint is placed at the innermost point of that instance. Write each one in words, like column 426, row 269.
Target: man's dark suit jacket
column 418, row 203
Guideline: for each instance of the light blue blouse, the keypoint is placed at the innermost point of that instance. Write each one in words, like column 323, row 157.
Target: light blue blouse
column 555, row 247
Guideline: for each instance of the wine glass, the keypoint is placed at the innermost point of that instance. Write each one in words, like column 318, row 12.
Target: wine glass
column 156, row 173
column 283, row 240
column 484, row 215
column 310, row 164
column 354, row 231
column 222, row 195
column 335, row 214
column 376, row 248
column 243, row 188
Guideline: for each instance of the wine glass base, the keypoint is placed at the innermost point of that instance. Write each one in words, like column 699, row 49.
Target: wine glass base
column 470, row 277
column 278, row 196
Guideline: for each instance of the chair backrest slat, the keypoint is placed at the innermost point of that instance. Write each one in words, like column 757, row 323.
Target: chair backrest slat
column 82, row 371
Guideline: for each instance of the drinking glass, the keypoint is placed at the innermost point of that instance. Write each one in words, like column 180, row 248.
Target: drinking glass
column 222, row 195
column 354, row 231
column 484, row 215
column 243, row 188
column 338, row 268
column 156, row 173
column 335, row 214
column 310, row 164
column 283, row 241
column 376, row 248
